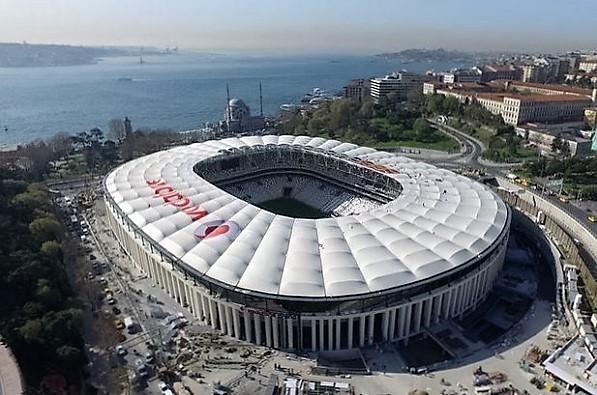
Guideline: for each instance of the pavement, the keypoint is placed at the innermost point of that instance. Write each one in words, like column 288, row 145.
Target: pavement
column 10, row 374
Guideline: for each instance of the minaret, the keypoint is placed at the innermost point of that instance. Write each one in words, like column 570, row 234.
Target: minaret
column 260, row 100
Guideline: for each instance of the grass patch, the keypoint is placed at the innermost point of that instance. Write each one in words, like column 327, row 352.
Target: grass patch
column 292, row 208
column 447, row 145
column 401, row 136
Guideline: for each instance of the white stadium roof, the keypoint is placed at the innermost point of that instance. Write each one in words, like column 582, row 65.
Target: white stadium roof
column 440, row 221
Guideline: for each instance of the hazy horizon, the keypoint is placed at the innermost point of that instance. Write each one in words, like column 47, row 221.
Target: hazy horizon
column 308, row 26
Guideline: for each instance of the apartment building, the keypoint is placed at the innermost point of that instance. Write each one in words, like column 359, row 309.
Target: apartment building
column 463, row 75
column 516, row 108
column 492, row 72
column 400, row 83
column 357, row 89
column 542, row 136
column 588, row 65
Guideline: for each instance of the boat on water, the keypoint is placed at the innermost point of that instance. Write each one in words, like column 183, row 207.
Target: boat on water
column 289, row 107
column 317, row 92
column 125, row 79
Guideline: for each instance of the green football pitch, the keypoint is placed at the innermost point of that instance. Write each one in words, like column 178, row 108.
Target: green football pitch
column 292, row 208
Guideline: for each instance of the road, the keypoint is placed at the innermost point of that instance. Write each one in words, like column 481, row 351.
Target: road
column 472, row 146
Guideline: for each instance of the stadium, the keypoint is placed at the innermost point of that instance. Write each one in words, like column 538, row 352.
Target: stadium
column 303, row 243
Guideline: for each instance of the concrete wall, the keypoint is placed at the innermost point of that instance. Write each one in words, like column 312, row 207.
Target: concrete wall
column 562, row 227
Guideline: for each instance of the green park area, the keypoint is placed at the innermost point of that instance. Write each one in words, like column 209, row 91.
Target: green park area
column 424, row 136
column 387, row 124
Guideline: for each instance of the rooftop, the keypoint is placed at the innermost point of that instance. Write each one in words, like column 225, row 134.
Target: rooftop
column 439, row 222
column 554, row 87
column 574, row 364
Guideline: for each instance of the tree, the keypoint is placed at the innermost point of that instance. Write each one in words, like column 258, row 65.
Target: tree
column 60, row 144
column 50, row 248
column 68, row 354
column 116, row 130
column 423, row 130
column 44, row 229
column 32, row 331
column 46, row 294
column 556, row 143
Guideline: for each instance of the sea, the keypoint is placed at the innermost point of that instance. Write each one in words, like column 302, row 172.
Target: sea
column 177, row 92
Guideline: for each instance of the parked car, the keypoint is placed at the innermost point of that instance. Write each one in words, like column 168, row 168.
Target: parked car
column 140, row 367
column 149, row 357
column 120, row 350
column 118, row 323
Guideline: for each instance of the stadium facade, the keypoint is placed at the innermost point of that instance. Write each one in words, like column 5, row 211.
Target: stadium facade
column 404, row 245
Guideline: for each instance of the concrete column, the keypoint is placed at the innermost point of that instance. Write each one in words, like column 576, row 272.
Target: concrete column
column 392, row 324
column 437, row 307
column 418, row 314
column 290, row 337
column 159, row 276
column 467, row 294
column 221, row 317
column 465, row 289
column 448, row 304
column 362, row 319
column 236, row 322
column 330, row 333
column 338, row 333
column 313, row 334
column 460, row 305
column 187, row 297
column 455, row 302
column 484, row 283
column 350, row 334
column 171, row 285
column 167, row 286
column 193, row 303
column 276, row 332
column 371, row 328
column 385, row 325
column 407, row 320
column 177, row 290
column 401, row 319
column 321, row 334
column 229, row 327
column 150, row 267
column 212, row 314
column 428, row 307
column 164, row 276
column 268, row 331
column 257, row 320
column 204, row 307
column 248, row 326
column 476, row 288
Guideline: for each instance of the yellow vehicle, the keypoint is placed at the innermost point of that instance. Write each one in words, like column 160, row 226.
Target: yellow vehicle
column 564, row 199
column 118, row 323
column 592, row 218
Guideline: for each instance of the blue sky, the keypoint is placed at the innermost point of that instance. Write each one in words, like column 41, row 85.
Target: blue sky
column 339, row 26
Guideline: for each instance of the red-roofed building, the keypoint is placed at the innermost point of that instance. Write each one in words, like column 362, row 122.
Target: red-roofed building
column 499, row 72
column 516, row 108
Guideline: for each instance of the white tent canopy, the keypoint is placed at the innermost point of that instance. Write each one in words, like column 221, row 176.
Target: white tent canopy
column 440, row 220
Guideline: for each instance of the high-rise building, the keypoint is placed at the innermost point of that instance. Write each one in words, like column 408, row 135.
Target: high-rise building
column 400, row 84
